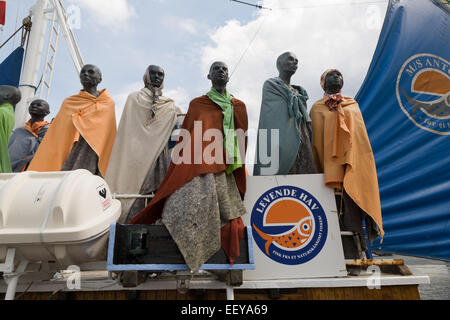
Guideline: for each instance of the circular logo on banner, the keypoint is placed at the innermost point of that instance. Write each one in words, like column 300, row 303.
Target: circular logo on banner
column 423, row 92
column 289, row 225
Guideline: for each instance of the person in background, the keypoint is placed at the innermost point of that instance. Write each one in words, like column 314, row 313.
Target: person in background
column 25, row 141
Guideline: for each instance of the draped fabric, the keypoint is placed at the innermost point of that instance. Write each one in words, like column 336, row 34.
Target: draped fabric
column 6, row 127
column 24, row 144
column 344, row 154
column 141, row 138
column 405, row 104
column 231, row 141
column 80, row 115
column 284, row 111
column 11, row 68
column 203, row 117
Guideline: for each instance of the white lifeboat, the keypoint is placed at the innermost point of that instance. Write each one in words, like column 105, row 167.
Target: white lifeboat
column 63, row 217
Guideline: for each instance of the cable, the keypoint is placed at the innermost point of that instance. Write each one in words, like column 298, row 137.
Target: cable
column 291, row 8
column 331, row 5
column 312, row 6
column 12, row 36
column 251, row 4
column 251, row 42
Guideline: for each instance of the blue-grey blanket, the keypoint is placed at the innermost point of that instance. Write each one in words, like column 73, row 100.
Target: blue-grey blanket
column 284, row 110
column 23, row 146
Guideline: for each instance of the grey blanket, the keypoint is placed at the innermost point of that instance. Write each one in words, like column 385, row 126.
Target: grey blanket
column 284, row 110
column 195, row 214
column 23, row 146
column 151, row 183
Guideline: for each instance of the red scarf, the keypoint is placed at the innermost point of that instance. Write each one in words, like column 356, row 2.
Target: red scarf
column 333, row 100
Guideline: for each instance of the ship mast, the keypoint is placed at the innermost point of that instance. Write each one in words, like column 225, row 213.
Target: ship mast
column 42, row 12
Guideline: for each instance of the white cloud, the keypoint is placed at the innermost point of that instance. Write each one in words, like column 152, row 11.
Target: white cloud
column 185, row 25
column 180, row 96
column 338, row 36
column 121, row 98
column 108, row 13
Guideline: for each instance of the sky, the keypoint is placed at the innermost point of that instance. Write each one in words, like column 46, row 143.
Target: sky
column 184, row 37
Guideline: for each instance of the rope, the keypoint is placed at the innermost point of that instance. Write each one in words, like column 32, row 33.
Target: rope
column 332, row 5
column 26, row 28
column 12, row 36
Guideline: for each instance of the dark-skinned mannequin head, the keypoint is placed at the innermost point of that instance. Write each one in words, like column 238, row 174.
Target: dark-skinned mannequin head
column 90, row 78
column 219, row 76
column 287, row 65
column 154, row 77
column 38, row 110
column 9, row 94
column 332, row 81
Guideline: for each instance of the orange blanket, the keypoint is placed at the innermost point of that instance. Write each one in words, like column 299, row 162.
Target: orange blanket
column 344, row 154
column 36, row 128
column 202, row 109
column 82, row 114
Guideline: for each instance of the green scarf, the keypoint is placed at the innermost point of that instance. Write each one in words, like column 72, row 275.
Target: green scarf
column 231, row 139
column 6, row 127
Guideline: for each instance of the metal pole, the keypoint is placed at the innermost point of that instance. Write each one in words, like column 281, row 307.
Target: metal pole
column 12, row 280
column 230, row 294
column 32, row 61
column 68, row 35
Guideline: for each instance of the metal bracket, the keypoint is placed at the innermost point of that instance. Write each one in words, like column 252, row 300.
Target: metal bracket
column 10, row 275
column 8, row 266
column 184, row 280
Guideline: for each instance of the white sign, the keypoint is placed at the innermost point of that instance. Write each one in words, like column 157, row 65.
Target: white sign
column 295, row 228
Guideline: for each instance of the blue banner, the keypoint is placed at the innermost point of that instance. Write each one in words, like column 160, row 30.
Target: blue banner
column 405, row 100
column 11, row 68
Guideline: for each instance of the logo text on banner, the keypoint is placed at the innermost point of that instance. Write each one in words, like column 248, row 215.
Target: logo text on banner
column 423, row 92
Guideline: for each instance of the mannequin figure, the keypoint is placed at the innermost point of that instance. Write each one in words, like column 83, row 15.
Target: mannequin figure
column 343, row 153
column 25, row 141
column 201, row 202
column 140, row 157
column 82, row 134
column 284, row 109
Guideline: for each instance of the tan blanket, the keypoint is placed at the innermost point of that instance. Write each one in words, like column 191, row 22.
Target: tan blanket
column 82, row 114
column 139, row 142
column 344, row 154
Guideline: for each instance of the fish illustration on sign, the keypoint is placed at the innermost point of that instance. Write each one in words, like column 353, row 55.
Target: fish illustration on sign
column 287, row 213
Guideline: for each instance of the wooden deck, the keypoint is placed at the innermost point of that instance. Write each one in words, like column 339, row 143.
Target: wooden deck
column 407, row 292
